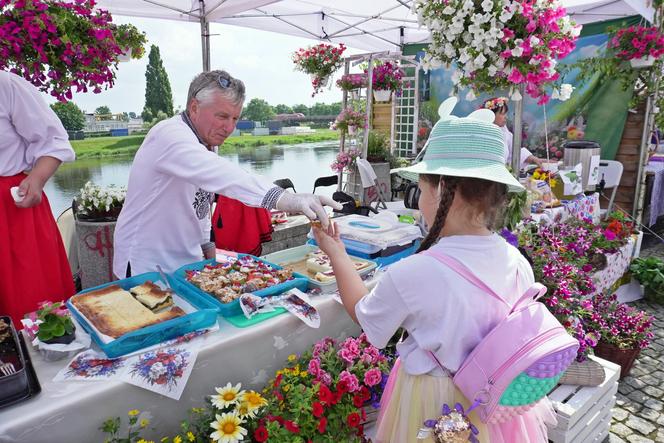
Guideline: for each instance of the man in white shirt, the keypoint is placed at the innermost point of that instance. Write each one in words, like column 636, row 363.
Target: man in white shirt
column 165, row 219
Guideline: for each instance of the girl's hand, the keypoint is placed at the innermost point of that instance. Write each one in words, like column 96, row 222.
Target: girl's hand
column 329, row 241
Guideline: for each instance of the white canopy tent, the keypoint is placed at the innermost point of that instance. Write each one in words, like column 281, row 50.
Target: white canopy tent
column 376, row 25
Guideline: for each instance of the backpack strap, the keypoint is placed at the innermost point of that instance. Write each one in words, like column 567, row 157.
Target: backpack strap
column 536, row 291
column 466, row 273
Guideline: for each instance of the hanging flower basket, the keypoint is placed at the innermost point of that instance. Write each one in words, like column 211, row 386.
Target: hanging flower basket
column 382, row 95
column 320, row 61
column 125, row 56
column 644, row 62
column 498, row 44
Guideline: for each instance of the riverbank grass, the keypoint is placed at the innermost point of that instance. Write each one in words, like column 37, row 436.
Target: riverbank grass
column 127, row 145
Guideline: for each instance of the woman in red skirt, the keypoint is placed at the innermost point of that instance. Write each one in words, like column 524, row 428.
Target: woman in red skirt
column 33, row 143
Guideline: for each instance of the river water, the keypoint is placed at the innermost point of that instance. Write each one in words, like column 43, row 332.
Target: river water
column 302, row 163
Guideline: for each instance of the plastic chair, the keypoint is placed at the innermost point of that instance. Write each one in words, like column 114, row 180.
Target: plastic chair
column 285, row 183
column 325, row 181
column 370, row 179
column 611, row 172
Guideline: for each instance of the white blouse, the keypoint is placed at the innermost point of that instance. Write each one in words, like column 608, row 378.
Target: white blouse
column 442, row 312
column 166, row 214
column 29, row 128
column 509, row 138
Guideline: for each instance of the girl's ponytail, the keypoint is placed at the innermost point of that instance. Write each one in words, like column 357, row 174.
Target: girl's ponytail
column 446, row 199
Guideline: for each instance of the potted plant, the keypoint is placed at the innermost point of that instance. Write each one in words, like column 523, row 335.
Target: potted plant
column 131, row 41
column 650, row 273
column 510, row 44
column 55, row 325
column 344, row 160
column 63, row 46
column 352, row 83
column 623, row 330
column 640, row 45
column 96, row 210
column 349, row 121
column 320, row 62
column 386, row 79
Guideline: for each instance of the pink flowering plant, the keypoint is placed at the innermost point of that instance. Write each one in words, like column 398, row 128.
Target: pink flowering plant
column 320, row 61
column 323, row 395
column 499, row 44
column 619, row 324
column 349, row 117
column 637, row 42
column 350, row 82
column 63, row 45
column 345, row 160
column 387, row 76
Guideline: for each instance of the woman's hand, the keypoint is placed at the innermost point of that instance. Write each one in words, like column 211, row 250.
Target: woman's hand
column 31, row 190
column 329, row 241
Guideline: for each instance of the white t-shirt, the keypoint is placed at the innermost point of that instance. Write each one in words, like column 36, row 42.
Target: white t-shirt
column 166, row 215
column 442, row 312
column 29, row 128
column 509, row 139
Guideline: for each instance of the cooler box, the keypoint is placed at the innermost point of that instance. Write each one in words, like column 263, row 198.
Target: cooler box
column 587, row 153
column 382, row 241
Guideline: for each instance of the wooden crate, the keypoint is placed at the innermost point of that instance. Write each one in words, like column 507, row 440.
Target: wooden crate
column 584, row 412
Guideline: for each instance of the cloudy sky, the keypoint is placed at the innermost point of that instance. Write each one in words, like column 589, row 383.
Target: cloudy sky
column 261, row 59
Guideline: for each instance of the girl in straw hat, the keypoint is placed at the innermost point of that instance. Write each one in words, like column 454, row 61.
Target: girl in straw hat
column 464, row 183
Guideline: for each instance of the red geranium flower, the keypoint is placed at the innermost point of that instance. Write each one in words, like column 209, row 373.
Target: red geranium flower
column 358, row 401
column 317, row 409
column 292, row 427
column 324, row 394
column 353, row 420
column 342, row 386
column 261, row 434
column 322, row 424
column 277, row 381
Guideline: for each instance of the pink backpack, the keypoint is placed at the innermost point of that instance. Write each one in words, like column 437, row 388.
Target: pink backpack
column 520, row 361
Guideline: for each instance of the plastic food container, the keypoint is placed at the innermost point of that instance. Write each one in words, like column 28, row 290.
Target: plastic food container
column 203, row 315
column 294, row 255
column 233, row 308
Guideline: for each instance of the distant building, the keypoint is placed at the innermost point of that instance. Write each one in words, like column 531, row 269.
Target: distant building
column 103, row 123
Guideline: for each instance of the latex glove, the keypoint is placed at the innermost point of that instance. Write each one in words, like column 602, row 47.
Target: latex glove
column 308, row 204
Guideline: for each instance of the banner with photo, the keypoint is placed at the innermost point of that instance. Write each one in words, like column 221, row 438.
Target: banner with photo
column 597, row 110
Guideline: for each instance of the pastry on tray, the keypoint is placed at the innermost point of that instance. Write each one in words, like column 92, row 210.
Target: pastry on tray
column 152, row 296
column 115, row 312
column 319, row 263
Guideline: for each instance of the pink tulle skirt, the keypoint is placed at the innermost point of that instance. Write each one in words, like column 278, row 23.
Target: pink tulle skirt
column 409, row 400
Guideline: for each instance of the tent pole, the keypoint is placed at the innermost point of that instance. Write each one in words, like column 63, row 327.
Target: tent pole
column 342, row 138
column 516, row 142
column 365, row 144
column 205, row 36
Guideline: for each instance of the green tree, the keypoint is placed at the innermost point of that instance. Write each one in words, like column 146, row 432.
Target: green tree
column 283, row 109
column 302, row 109
column 132, row 115
column 257, row 110
column 158, row 95
column 70, row 115
column 103, row 110
column 125, row 117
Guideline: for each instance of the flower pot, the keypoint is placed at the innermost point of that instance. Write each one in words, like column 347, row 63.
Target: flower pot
column 382, row 95
column 95, row 252
column 322, row 81
column 623, row 357
column 644, row 62
column 125, row 56
column 63, row 339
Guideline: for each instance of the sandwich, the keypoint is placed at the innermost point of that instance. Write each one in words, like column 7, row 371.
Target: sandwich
column 152, row 296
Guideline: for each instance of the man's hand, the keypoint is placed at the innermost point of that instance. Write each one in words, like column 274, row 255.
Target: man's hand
column 308, row 204
column 30, row 190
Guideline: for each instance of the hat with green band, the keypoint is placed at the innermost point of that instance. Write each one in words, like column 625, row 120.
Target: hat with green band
column 471, row 146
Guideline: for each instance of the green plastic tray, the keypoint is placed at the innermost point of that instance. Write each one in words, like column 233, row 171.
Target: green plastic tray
column 240, row 321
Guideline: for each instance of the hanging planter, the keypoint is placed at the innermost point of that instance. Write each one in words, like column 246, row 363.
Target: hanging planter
column 643, row 62
column 322, row 82
column 352, row 130
column 320, row 62
column 125, row 56
column 382, row 95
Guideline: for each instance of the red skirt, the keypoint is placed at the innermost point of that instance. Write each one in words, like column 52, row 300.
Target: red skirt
column 33, row 262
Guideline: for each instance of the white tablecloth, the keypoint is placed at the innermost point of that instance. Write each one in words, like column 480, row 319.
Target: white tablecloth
column 73, row 411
